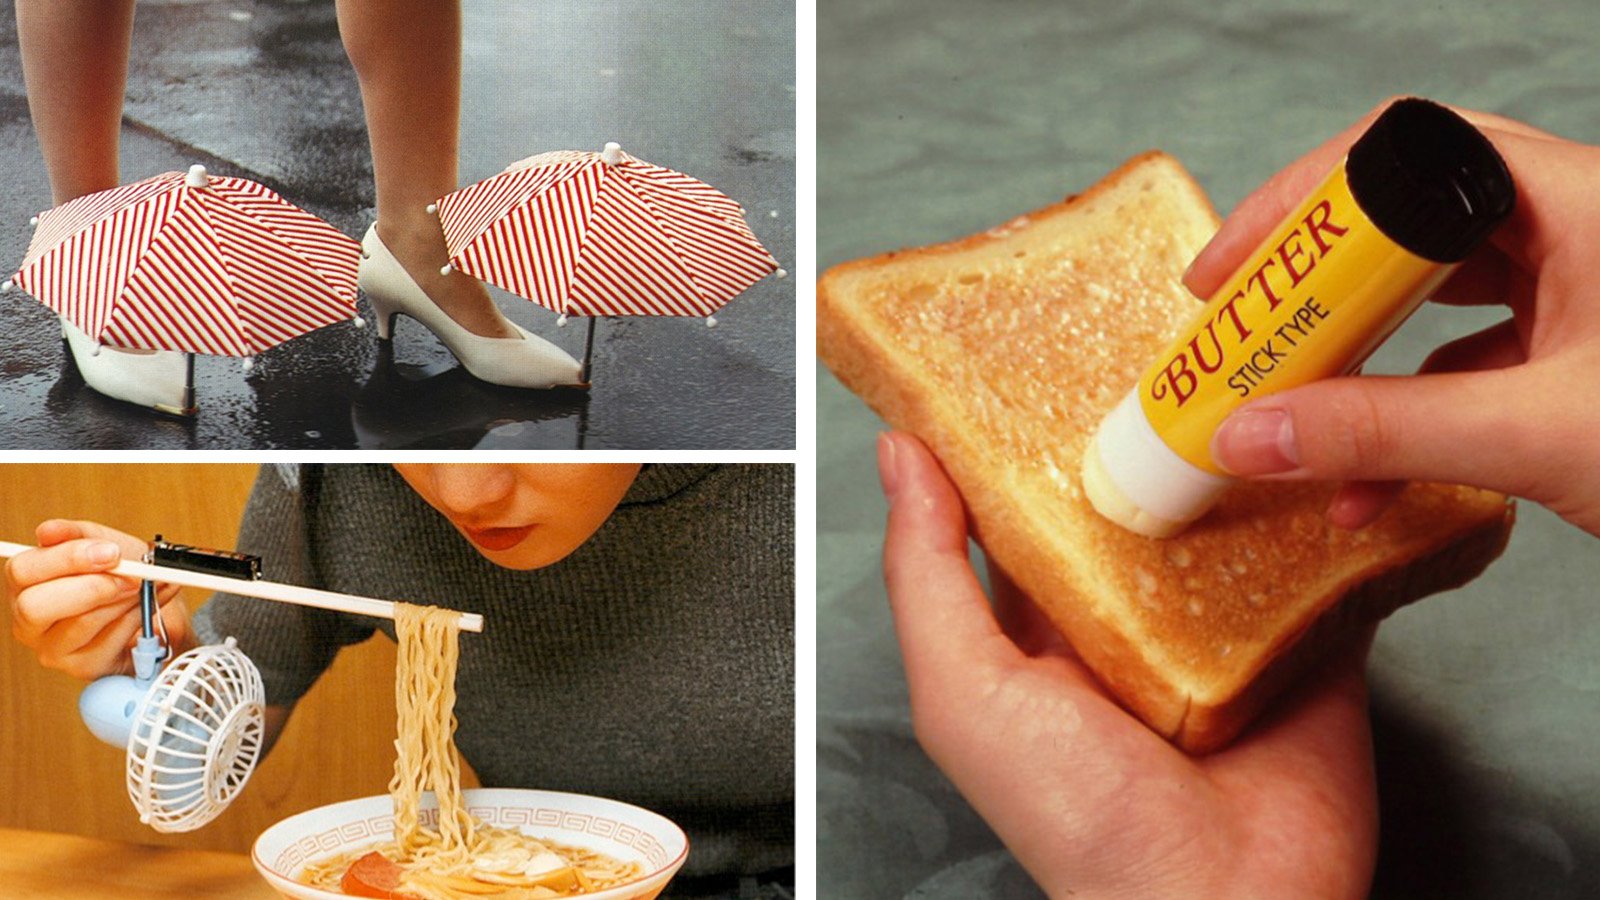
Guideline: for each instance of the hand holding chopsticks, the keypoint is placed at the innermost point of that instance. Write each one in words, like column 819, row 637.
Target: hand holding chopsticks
column 265, row 590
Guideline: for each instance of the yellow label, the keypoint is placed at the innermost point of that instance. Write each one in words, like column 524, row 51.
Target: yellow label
column 1313, row 301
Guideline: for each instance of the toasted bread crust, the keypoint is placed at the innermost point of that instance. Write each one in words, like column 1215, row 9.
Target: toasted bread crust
column 1157, row 662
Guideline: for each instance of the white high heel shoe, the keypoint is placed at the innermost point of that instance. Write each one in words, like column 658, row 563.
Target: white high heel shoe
column 158, row 379
column 527, row 361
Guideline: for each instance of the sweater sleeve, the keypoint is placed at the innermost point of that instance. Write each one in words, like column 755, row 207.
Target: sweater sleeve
column 291, row 645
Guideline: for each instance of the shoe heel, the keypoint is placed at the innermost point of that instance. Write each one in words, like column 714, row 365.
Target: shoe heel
column 383, row 313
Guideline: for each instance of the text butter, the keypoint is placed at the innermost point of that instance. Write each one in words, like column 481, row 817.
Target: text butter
column 1316, row 298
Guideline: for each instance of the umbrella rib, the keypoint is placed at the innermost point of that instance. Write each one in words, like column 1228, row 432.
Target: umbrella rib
column 301, row 300
column 713, row 203
column 690, row 241
column 587, row 211
column 163, row 261
column 90, row 280
column 660, row 221
column 500, row 251
column 698, row 299
column 143, row 261
column 225, row 260
column 233, row 186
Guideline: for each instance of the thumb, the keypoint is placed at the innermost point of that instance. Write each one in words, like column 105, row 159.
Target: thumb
column 58, row 531
column 1469, row 428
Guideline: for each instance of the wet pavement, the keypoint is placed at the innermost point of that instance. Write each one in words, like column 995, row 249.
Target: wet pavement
column 263, row 90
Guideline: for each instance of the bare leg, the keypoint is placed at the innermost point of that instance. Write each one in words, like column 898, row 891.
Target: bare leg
column 75, row 63
column 407, row 56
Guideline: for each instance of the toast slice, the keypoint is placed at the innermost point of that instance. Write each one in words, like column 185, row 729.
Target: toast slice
column 1002, row 351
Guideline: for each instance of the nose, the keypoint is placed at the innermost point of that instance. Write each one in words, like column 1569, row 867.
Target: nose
column 473, row 491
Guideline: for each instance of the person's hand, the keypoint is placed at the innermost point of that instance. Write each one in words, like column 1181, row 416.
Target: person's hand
column 1092, row 803
column 1506, row 408
column 72, row 613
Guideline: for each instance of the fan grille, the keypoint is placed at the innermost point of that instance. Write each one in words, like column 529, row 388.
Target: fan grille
column 196, row 738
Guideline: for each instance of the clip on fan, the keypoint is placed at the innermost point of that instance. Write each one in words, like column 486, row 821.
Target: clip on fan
column 192, row 731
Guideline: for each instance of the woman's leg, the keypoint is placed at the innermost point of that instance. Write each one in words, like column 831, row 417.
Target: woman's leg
column 75, row 63
column 407, row 56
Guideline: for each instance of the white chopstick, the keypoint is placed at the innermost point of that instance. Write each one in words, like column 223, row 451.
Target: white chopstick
column 265, row 590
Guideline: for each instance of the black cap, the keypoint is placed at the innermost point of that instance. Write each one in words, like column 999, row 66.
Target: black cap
column 1430, row 181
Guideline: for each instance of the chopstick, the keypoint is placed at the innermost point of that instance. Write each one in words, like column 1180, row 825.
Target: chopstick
column 264, row 590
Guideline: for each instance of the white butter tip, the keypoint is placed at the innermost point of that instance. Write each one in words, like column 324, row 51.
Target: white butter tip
column 196, row 177
column 1134, row 479
column 1114, row 505
column 612, row 154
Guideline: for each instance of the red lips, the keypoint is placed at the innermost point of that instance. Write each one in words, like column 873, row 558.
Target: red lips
column 498, row 538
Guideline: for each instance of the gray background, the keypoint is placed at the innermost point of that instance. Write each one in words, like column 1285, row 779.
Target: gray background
column 262, row 89
column 939, row 118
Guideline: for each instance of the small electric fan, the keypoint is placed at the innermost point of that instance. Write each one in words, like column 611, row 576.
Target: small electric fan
column 193, row 730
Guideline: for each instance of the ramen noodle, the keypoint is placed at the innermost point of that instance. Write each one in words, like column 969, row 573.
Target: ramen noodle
column 460, row 856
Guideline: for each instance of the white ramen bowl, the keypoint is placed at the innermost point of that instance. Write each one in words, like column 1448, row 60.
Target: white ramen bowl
column 626, row 832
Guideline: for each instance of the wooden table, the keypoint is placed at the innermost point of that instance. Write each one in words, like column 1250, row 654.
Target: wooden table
column 41, row 864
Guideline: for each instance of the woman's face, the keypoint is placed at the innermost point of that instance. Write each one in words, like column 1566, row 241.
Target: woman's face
column 522, row 516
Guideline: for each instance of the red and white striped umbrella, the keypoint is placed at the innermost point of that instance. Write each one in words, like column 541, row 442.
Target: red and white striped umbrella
column 191, row 262
column 604, row 234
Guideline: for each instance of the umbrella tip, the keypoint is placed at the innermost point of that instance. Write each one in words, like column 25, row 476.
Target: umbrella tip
column 33, row 220
column 358, row 321
column 431, row 208
column 6, row 285
column 196, row 177
column 446, row 269
column 711, row 321
column 561, row 320
column 782, row 273
column 247, row 364
column 612, row 154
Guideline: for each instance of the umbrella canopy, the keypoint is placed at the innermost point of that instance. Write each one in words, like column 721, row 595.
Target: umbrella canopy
column 604, row 234
column 190, row 262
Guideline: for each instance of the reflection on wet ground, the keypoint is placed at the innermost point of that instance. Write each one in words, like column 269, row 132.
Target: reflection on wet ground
column 263, row 90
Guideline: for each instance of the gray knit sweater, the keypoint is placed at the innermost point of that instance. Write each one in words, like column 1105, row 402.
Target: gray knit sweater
column 654, row 665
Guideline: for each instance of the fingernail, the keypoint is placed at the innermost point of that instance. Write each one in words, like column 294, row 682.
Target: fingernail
column 1255, row 441
column 104, row 554
column 888, row 473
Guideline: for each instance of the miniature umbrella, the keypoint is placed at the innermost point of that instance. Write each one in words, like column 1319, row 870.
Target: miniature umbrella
column 604, row 234
column 191, row 262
